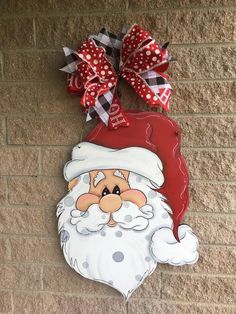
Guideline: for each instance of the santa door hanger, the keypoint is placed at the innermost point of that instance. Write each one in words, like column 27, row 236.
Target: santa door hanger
column 128, row 182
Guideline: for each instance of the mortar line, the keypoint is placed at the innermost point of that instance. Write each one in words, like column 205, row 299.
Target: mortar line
column 209, row 148
column 34, row 32
column 127, row 6
column 60, row 115
column 41, row 278
column 200, row 274
column 214, row 181
column 183, row 81
column 4, row 126
column 49, row 115
column 130, row 10
column 12, row 303
column 161, row 292
column 2, row 65
column 212, row 214
column 117, row 297
column 60, row 176
column 203, row 44
column 54, row 239
column 127, row 307
column 175, row 45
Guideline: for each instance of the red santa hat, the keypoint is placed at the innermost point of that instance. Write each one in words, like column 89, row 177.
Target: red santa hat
column 150, row 146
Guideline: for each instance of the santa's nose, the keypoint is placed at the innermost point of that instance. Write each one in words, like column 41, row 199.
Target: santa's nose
column 110, row 203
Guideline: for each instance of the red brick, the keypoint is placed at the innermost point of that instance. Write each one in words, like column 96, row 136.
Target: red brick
column 46, row 131
column 21, row 220
column 196, row 63
column 201, row 97
column 36, row 250
column 33, row 65
column 5, row 302
column 207, row 131
column 198, row 288
column 47, row 7
column 51, row 222
column 202, row 26
column 150, row 306
column 206, row 197
column 65, row 279
column 170, row 4
column 213, row 259
column 211, row 164
column 5, row 251
column 65, row 29
column 16, row 33
column 15, row 99
column 2, row 131
column 19, row 161
column 53, row 98
column 20, row 277
column 213, row 229
column 38, row 303
column 151, row 287
column 3, row 191
column 36, row 191
column 54, row 159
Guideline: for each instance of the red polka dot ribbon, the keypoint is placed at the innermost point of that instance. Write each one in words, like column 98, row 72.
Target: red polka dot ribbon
column 95, row 68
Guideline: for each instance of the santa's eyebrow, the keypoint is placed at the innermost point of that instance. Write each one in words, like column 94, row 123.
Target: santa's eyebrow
column 99, row 177
column 119, row 174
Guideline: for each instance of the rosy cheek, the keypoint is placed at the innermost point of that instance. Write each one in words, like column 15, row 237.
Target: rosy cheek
column 135, row 196
column 86, row 200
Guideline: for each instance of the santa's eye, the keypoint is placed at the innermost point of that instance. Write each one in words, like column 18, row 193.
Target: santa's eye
column 105, row 192
column 116, row 190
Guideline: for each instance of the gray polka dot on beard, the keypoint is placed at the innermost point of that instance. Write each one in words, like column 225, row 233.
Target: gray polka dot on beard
column 148, row 237
column 69, row 201
column 86, row 179
column 165, row 215
column 138, row 277
column 128, row 218
column 138, row 179
column 85, row 215
column 152, row 194
column 126, row 204
column 103, row 216
column 85, row 265
column 103, row 233
column 118, row 256
column 118, row 234
column 147, row 258
column 64, row 236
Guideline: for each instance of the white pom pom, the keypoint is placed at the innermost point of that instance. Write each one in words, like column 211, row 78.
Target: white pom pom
column 166, row 249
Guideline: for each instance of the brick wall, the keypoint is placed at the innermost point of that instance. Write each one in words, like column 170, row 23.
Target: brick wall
column 39, row 124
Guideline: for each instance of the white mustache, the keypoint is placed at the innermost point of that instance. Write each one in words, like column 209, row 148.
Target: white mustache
column 130, row 216
column 90, row 221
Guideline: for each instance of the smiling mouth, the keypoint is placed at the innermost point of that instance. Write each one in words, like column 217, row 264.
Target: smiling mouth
column 111, row 222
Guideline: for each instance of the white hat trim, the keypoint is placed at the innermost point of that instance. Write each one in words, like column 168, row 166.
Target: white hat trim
column 88, row 156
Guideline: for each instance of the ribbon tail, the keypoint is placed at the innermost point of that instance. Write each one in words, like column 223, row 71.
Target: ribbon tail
column 72, row 60
column 117, row 117
column 101, row 107
column 151, row 86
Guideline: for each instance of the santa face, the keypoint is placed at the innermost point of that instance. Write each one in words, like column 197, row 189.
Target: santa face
column 114, row 226
column 106, row 224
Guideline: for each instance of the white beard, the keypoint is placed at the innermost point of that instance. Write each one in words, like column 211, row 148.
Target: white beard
column 120, row 256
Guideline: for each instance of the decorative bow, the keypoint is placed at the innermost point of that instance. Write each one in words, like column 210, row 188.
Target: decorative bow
column 95, row 68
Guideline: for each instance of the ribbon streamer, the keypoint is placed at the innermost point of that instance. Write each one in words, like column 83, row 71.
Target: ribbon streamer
column 95, row 68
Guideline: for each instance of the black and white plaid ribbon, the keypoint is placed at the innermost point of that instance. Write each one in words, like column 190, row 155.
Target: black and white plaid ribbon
column 112, row 45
